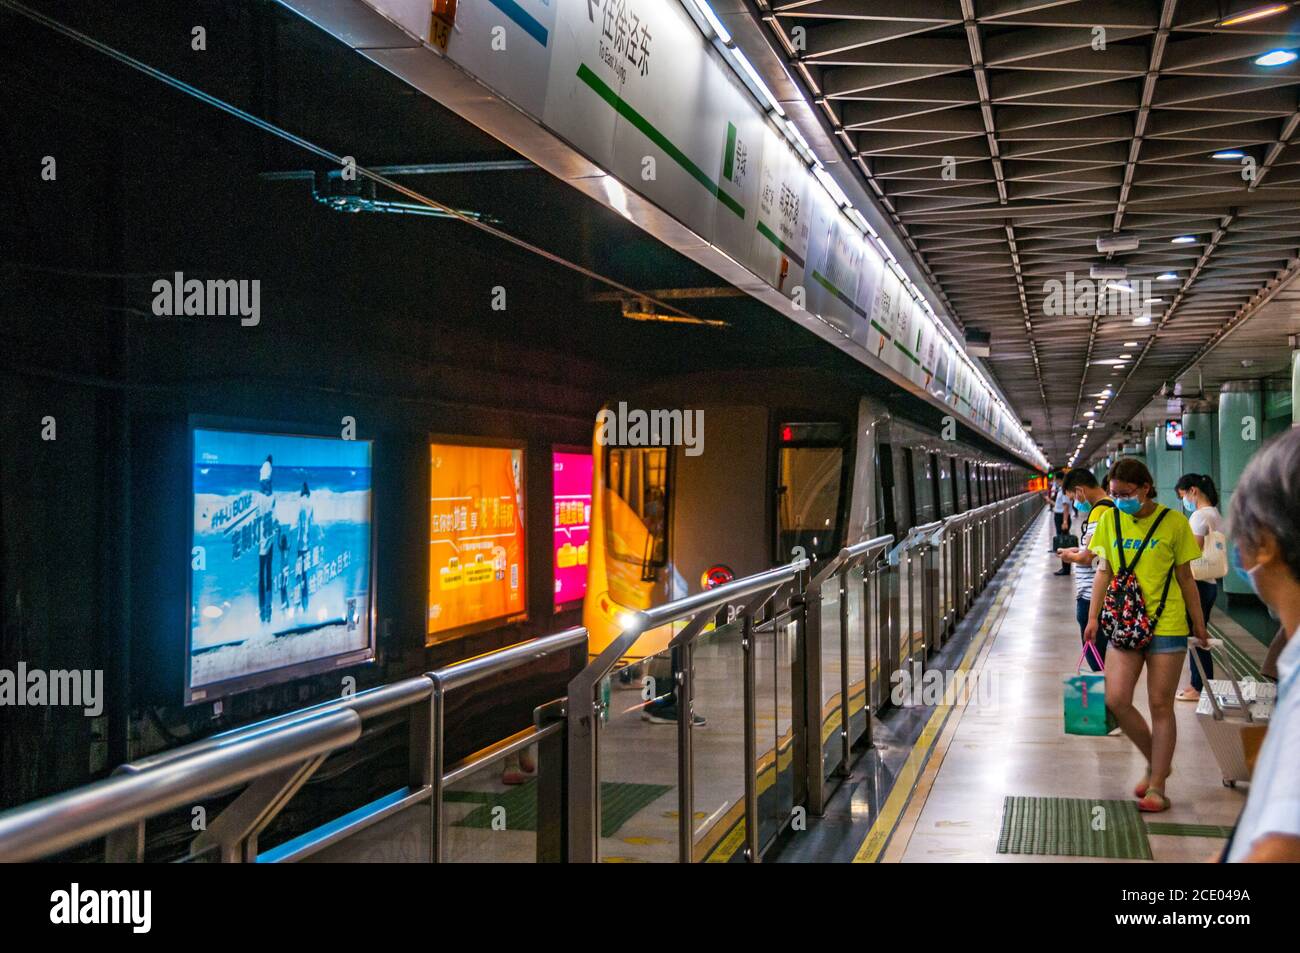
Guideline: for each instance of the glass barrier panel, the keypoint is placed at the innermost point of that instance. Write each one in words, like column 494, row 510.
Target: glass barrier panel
column 718, row 751
column 402, row 838
column 777, row 786
column 857, row 652
column 637, row 763
column 908, row 595
column 830, row 687
column 490, row 815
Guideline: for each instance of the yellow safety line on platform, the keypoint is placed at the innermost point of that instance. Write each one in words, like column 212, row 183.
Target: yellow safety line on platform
column 906, row 784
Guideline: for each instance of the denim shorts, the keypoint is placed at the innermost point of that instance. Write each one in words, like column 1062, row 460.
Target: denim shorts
column 1160, row 644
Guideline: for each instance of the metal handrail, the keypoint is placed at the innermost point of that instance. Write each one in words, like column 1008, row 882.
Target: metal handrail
column 912, row 539
column 583, row 711
column 848, row 554
column 367, row 704
column 460, row 674
column 640, row 622
column 66, row 820
column 260, row 750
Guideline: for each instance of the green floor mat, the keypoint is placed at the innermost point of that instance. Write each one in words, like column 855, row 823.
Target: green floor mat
column 1064, row 826
column 619, row 802
column 1170, row 829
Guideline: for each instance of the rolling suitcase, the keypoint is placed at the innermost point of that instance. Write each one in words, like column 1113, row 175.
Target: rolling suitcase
column 1233, row 713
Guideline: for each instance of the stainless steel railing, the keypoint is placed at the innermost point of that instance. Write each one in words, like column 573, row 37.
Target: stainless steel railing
column 813, row 654
column 839, row 645
column 586, row 714
column 271, row 761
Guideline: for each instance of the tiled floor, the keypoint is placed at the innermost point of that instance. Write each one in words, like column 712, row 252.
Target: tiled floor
column 1014, row 743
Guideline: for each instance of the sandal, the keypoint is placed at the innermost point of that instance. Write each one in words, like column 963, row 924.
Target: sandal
column 1144, row 785
column 1188, row 694
column 1153, row 802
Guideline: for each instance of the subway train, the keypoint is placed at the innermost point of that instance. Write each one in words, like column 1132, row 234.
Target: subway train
column 752, row 467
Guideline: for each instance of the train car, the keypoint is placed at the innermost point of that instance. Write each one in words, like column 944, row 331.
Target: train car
column 751, row 467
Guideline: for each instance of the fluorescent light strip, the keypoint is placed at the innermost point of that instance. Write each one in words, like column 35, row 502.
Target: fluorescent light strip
column 721, row 39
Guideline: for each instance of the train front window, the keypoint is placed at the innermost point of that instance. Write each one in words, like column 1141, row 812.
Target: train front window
column 809, row 483
column 636, row 523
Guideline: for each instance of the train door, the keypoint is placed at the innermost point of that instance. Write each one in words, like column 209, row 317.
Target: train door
column 810, row 484
column 923, row 486
column 944, row 467
column 960, row 482
column 904, row 506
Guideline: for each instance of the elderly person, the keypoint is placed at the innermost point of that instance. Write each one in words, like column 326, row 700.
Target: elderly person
column 1265, row 527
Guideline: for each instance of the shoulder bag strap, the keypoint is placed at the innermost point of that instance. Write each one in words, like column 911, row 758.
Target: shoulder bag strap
column 1164, row 511
column 1119, row 544
column 1164, row 596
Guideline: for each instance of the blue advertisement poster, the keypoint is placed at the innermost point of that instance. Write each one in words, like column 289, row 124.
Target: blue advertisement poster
column 280, row 559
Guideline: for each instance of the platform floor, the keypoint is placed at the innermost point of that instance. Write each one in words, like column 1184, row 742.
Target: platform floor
column 1015, row 746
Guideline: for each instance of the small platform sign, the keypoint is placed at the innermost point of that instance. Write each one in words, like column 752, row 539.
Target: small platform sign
column 444, row 18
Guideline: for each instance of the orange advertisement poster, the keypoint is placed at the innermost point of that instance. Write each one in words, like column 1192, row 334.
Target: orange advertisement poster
column 476, row 538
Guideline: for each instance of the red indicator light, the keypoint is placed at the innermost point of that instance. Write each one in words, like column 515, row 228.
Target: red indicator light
column 787, row 434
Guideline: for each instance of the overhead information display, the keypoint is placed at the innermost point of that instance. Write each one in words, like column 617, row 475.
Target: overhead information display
column 635, row 87
column 476, row 538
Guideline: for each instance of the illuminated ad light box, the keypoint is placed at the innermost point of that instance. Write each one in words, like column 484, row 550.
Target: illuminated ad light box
column 1173, row 434
column 572, row 497
column 281, row 559
column 476, row 538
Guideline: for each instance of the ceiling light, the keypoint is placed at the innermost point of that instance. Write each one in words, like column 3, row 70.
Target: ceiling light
column 1130, row 343
column 1276, row 58
column 707, row 12
column 1229, row 154
column 1155, row 301
column 1117, row 242
column 1183, row 239
column 1142, row 321
column 1107, row 271
column 1255, row 13
column 1167, row 276
column 1089, row 413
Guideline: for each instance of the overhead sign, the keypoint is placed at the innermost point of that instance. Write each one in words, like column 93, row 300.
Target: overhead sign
column 635, row 87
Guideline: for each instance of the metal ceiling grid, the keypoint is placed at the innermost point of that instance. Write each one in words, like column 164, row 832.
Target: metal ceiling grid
column 1005, row 136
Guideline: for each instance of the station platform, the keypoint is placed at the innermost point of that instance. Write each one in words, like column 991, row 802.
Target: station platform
column 937, row 786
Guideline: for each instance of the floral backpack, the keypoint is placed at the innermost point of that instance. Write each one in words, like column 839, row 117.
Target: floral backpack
column 1124, row 612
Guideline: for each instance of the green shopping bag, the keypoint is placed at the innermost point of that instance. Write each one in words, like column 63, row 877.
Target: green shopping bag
column 1085, row 699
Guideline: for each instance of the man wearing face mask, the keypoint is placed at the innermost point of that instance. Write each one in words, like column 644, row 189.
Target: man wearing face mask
column 1265, row 527
column 1091, row 502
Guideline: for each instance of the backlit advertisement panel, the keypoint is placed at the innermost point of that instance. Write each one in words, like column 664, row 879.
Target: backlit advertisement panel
column 572, row 497
column 280, row 559
column 476, row 538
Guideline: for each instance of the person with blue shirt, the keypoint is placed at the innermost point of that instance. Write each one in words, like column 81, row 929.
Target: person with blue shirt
column 1091, row 502
column 1264, row 524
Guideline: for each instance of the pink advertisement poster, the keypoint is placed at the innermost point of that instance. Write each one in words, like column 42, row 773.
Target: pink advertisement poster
column 572, row 489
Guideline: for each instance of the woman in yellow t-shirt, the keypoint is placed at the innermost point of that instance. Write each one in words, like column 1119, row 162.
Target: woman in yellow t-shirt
column 1170, row 551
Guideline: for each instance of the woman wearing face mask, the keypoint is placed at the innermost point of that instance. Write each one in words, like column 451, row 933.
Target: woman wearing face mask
column 1201, row 502
column 1265, row 527
column 1159, row 549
